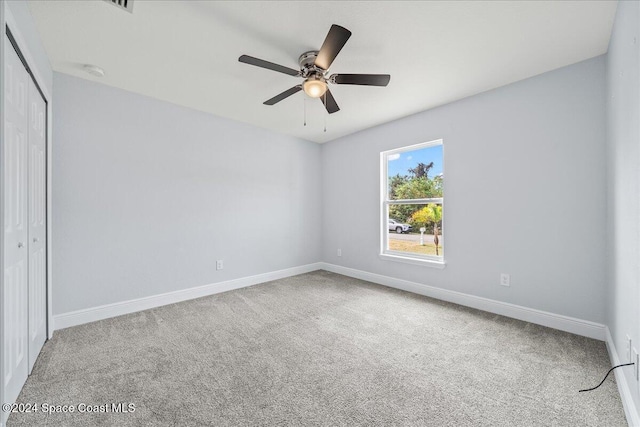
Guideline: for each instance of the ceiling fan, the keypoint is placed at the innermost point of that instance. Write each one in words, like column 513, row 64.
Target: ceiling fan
column 313, row 69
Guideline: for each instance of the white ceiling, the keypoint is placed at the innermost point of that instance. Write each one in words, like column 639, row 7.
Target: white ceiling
column 186, row 52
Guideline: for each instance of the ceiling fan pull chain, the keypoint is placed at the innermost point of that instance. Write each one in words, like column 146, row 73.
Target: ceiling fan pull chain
column 304, row 102
column 325, row 114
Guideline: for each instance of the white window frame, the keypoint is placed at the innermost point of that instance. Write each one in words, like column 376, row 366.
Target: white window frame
column 406, row 257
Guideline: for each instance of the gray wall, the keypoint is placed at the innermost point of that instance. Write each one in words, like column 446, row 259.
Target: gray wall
column 623, row 155
column 147, row 195
column 524, row 193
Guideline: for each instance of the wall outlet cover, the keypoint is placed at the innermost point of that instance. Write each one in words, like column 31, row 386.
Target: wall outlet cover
column 505, row 279
column 219, row 264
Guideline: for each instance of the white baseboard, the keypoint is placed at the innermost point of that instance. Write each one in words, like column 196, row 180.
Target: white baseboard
column 539, row 317
column 93, row 314
column 630, row 410
column 556, row 321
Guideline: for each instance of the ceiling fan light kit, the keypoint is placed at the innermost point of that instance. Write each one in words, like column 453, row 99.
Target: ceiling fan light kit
column 314, row 66
column 315, row 86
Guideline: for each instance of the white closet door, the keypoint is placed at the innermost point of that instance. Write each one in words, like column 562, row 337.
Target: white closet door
column 37, row 224
column 15, row 332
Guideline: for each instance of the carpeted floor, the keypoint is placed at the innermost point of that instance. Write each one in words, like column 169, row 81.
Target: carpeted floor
column 321, row 349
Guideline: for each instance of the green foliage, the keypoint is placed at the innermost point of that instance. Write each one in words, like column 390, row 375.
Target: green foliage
column 437, row 212
column 422, row 217
column 418, row 185
column 427, row 216
column 415, row 186
column 402, row 213
column 394, row 183
column 418, row 188
column 437, row 185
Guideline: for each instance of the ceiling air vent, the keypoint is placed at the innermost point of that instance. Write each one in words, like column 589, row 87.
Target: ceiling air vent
column 122, row 4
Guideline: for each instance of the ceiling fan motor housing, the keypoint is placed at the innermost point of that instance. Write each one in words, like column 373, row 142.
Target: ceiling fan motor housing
column 308, row 68
column 307, row 60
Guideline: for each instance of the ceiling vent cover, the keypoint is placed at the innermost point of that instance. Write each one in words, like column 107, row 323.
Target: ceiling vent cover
column 122, row 4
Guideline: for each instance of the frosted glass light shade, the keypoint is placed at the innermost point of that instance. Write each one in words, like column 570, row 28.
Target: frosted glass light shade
column 315, row 88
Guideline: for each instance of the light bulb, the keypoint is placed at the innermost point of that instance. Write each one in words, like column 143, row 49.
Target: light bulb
column 314, row 87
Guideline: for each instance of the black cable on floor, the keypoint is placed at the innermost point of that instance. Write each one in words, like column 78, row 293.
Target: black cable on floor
column 605, row 377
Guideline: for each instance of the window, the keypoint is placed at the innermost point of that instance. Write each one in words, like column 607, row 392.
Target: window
column 412, row 203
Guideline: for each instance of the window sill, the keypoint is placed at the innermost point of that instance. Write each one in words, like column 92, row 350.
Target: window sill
column 415, row 261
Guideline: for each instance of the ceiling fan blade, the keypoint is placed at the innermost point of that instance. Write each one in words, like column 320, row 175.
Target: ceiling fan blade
column 268, row 65
column 333, row 43
column 361, row 79
column 329, row 102
column 287, row 93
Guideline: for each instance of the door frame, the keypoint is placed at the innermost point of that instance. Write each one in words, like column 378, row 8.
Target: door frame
column 10, row 25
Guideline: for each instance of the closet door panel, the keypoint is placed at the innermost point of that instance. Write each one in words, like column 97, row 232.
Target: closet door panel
column 37, row 224
column 15, row 274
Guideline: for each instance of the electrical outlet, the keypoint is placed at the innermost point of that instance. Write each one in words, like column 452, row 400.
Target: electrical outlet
column 505, row 279
column 636, row 360
column 628, row 350
column 219, row 264
column 339, row 252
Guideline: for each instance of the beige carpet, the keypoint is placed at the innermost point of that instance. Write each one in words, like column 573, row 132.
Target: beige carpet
column 321, row 349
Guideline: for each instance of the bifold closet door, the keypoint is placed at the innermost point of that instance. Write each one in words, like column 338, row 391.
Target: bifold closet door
column 37, row 224
column 15, row 287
